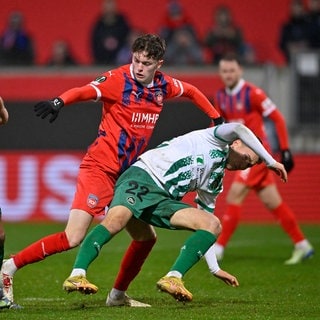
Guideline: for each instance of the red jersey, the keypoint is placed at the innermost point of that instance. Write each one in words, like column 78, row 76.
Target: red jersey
column 247, row 104
column 130, row 113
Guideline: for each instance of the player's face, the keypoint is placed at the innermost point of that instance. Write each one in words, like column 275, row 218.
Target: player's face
column 241, row 157
column 230, row 73
column 144, row 68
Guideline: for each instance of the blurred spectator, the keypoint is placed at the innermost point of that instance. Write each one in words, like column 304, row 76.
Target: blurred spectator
column 184, row 49
column 175, row 18
column 16, row 46
column 109, row 34
column 224, row 37
column 294, row 33
column 313, row 18
column 61, row 55
column 124, row 56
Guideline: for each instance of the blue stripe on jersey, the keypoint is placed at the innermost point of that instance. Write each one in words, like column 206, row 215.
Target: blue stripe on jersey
column 230, row 104
column 128, row 155
column 247, row 99
column 127, row 90
column 160, row 81
column 149, row 95
column 219, row 103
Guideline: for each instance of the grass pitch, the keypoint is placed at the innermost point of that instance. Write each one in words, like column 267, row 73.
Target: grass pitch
column 268, row 289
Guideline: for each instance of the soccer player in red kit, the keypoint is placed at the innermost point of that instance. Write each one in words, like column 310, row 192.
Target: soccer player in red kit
column 132, row 97
column 241, row 101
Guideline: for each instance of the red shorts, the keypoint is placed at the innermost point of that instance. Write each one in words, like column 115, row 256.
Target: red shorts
column 256, row 177
column 95, row 188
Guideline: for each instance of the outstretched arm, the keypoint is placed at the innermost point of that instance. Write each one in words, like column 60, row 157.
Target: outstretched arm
column 231, row 131
column 53, row 107
column 214, row 268
column 203, row 103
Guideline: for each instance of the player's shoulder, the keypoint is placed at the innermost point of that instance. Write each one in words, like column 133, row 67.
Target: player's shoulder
column 254, row 88
column 112, row 75
column 119, row 71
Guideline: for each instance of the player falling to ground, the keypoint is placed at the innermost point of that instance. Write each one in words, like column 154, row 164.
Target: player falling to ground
column 244, row 102
column 151, row 190
column 132, row 97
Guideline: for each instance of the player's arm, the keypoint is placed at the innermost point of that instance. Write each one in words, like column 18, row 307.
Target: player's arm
column 53, row 106
column 200, row 100
column 282, row 134
column 269, row 109
column 229, row 132
column 215, row 269
column 4, row 115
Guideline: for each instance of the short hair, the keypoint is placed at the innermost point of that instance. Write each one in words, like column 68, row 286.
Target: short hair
column 231, row 57
column 152, row 44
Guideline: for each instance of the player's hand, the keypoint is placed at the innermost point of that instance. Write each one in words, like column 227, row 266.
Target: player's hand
column 227, row 278
column 287, row 160
column 44, row 108
column 216, row 121
column 280, row 170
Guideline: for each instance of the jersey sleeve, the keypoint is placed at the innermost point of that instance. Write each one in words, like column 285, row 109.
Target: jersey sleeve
column 281, row 129
column 261, row 102
column 184, row 89
column 79, row 94
column 270, row 110
column 109, row 85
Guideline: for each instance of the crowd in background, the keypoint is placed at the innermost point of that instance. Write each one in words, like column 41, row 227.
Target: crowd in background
column 111, row 37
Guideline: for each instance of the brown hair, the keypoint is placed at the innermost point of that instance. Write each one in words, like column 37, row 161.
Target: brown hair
column 152, row 44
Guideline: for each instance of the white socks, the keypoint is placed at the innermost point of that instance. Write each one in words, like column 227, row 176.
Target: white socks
column 78, row 272
column 8, row 267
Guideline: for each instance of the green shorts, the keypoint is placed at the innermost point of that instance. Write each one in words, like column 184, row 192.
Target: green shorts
column 137, row 191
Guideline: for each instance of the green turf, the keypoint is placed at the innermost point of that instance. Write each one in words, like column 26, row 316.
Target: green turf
column 268, row 289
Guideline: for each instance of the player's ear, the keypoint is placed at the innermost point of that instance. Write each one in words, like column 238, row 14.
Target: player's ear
column 236, row 144
column 160, row 63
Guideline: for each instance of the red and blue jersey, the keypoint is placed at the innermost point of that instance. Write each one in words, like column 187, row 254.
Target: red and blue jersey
column 130, row 112
column 246, row 104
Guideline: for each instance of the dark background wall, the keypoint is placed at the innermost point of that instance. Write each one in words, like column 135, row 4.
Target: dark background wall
column 76, row 127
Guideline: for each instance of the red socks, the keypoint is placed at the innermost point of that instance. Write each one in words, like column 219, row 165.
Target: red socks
column 288, row 222
column 229, row 223
column 132, row 262
column 42, row 248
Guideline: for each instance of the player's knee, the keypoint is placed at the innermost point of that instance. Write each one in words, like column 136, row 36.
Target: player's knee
column 214, row 225
column 74, row 239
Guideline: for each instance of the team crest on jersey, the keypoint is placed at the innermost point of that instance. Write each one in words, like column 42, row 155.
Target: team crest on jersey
column 200, row 160
column 92, row 200
column 159, row 97
column 239, row 105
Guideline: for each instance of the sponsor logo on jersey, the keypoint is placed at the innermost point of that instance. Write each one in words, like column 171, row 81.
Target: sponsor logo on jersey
column 200, row 160
column 92, row 200
column 136, row 94
column 140, row 117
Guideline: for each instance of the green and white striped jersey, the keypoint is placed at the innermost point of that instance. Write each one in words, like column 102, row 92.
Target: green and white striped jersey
column 192, row 162
column 196, row 161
